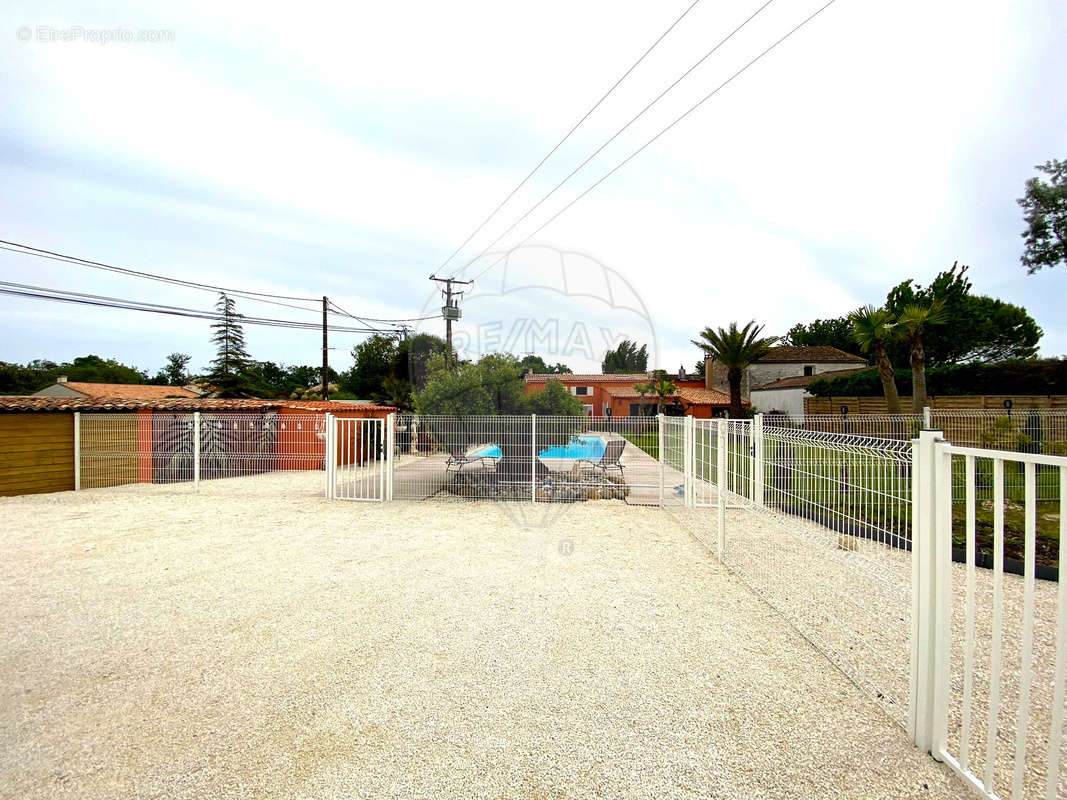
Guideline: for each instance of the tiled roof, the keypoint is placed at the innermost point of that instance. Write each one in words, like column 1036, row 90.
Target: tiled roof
column 687, row 394
column 786, row 354
column 128, row 391
column 14, row 405
column 638, row 377
column 621, row 392
column 332, row 405
column 799, row 381
column 703, row 396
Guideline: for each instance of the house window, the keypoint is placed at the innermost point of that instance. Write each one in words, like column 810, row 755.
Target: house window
column 642, row 409
column 588, row 409
column 582, row 390
column 809, row 369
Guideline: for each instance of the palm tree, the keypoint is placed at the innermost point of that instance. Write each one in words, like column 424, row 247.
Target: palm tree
column 661, row 388
column 913, row 320
column 873, row 329
column 735, row 348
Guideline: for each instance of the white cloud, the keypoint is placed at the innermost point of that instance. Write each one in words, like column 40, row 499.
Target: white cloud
column 348, row 150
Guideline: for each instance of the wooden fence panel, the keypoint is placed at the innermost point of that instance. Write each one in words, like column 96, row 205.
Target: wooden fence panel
column 36, row 453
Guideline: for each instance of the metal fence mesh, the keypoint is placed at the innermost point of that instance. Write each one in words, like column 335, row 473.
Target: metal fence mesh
column 525, row 458
column 116, row 449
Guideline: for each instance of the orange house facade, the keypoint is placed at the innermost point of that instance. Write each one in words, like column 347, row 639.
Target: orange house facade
column 615, row 396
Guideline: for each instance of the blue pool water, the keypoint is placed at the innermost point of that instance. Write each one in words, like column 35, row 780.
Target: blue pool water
column 590, row 447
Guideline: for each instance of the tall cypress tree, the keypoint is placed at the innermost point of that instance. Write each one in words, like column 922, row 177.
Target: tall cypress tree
column 229, row 369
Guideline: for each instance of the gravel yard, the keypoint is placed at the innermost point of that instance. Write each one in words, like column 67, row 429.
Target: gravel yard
column 254, row 640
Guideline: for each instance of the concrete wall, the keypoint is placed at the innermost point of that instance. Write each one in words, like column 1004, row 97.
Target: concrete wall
column 761, row 374
column 791, row 401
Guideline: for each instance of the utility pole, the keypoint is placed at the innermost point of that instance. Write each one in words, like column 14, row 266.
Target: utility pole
column 325, row 353
column 450, row 310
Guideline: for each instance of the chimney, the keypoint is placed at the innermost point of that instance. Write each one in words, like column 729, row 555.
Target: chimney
column 61, row 379
column 681, row 373
column 708, row 360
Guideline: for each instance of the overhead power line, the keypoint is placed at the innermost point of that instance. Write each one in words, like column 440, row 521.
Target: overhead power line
column 103, row 301
column 375, row 319
column 151, row 276
column 246, row 294
column 641, row 149
column 618, row 133
column 566, row 136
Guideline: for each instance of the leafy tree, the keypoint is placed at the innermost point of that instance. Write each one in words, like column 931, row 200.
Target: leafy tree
column 914, row 320
column 538, row 365
column 492, row 386
column 735, row 348
column 625, row 359
column 974, row 327
column 375, row 358
column 412, row 355
column 175, row 372
column 835, row 332
column 39, row 373
column 553, row 401
column 229, row 374
column 1045, row 212
column 873, row 329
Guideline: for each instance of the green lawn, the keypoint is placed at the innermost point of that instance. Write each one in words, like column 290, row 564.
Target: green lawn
column 869, row 495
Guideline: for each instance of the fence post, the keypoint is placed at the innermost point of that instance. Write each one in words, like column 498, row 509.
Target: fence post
column 196, row 450
column 390, row 449
column 931, row 560
column 927, row 418
column 329, row 444
column 659, row 424
column 757, row 460
column 77, row 451
column 721, row 480
column 533, row 458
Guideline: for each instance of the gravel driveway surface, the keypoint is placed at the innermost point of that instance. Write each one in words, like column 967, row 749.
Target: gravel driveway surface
column 253, row 640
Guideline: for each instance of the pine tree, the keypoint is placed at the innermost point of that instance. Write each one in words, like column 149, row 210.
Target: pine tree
column 229, row 369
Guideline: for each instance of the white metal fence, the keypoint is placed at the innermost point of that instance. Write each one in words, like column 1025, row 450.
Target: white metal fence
column 989, row 646
column 891, row 558
column 185, row 448
column 1036, row 430
column 543, row 459
column 359, row 458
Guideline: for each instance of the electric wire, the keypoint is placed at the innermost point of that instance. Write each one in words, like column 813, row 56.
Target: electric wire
column 617, row 133
column 566, row 136
column 677, row 120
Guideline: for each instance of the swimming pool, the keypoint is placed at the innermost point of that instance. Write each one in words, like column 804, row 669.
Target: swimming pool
column 590, row 447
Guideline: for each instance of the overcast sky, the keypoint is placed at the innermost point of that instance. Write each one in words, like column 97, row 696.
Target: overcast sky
column 347, row 151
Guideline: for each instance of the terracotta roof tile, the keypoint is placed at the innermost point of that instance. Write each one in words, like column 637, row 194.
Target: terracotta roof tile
column 14, row 405
column 128, row 391
column 787, row 354
column 638, row 377
column 704, row 396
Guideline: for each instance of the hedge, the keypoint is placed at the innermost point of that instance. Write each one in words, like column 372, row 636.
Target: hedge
column 1044, row 376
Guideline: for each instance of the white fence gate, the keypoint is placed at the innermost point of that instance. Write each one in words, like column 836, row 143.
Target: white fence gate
column 989, row 648
column 359, row 458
